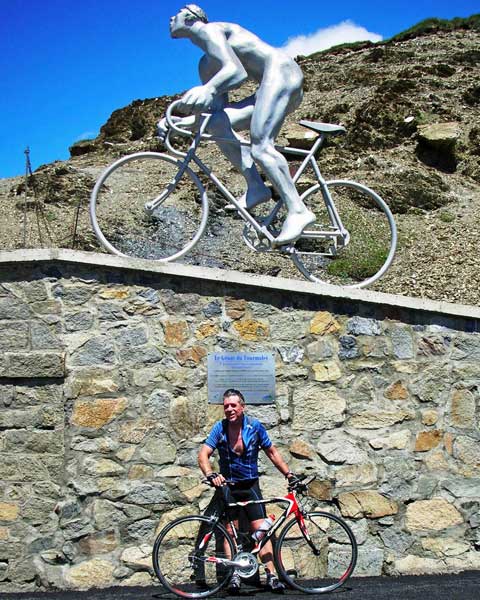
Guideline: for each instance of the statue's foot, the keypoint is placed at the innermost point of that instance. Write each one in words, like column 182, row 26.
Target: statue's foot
column 293, row 226
column 252, row 199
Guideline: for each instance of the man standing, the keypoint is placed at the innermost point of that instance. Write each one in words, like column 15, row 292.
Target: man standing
column 233, row 54
column 238, row 439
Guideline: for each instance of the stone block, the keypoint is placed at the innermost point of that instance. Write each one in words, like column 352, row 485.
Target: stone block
column 366, row 503
column 396, row 391
column 14, row 335
column 9, row 511
column 138, row 557
column 34, row 364
column 94, row 414
column 399, row 440
column 45, row 337
column 185, row 417
column 176, row 333
column 12, row 308
column 462, row 409
column 316, row 407
column 79, row 321
column 324, row 323
column 92, row 381
column 301, row 449
column 426, row 440
column 96, row 351
column 291, row 354
column 363, row 326
column 355, row 475
column 206, row 330
column 98, row 543
column 235, row 307
column 326, row 371
column 431, row 515
column 94, row 573
column 379, row 419
column 251, row 330
column 402, row 343
column 39, row 442
column 191, row 357
column 467, row 450
column 335, row 447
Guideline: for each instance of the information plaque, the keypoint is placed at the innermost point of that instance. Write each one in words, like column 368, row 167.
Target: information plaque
column 252, row 373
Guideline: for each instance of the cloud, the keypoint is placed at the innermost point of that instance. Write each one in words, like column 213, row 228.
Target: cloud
column 344, row 32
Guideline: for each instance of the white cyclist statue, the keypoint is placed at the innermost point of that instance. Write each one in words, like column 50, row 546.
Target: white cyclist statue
column 232, row 55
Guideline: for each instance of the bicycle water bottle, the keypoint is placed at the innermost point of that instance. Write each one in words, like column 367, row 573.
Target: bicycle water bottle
column 264, row 527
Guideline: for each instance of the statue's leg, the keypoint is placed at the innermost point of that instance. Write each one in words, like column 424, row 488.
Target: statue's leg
column 222, row 124
column 280, row 92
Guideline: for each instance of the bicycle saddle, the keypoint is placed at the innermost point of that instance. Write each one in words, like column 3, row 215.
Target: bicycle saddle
column 326, row 128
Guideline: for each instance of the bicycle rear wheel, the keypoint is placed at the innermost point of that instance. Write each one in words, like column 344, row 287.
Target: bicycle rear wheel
column 184, row 556
column 322, row 564
column 373, row 237
column 118, row 208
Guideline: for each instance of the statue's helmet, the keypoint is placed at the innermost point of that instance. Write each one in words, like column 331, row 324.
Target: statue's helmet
column 197, row 12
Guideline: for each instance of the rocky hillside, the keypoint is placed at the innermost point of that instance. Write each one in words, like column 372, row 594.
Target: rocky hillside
column 411, row 108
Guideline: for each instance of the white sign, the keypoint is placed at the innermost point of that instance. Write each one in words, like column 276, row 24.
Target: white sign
column 252, row 373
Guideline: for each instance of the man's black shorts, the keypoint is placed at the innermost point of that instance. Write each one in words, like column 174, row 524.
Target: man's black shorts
column 242, row 491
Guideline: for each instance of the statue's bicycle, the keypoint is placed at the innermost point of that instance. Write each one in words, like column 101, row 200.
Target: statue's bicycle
column 155, row 206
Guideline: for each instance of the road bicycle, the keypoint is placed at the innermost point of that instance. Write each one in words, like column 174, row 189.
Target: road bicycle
column 153, row 205
column 315, row 551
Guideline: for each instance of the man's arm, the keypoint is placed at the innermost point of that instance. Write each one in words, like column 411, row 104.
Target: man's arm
column 204, row 463
column 276, row 458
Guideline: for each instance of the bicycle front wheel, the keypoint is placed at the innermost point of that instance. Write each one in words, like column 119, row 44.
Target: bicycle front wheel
column 119, row 211
column 319, row 558
column 185, row 556
column 368, row 252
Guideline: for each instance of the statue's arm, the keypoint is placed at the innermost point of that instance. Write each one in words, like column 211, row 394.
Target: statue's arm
column 225, row 71
column 230, row 73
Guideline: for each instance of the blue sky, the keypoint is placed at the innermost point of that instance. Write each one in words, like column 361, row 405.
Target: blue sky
column 66, row 65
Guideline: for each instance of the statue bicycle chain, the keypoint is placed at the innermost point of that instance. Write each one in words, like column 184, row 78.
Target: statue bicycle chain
column 154, row 206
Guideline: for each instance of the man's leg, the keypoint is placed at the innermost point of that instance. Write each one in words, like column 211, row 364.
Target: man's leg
column 279, row 93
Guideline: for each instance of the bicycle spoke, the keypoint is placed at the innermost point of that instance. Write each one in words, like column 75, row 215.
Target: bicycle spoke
column 184, row 557
column 321, row 564
column 122, row 221
column 322, row 255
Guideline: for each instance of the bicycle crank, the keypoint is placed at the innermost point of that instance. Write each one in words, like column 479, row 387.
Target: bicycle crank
column 245, row 563
column 248, row 562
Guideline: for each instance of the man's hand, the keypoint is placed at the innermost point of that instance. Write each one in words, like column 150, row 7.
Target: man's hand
column 216, row 479
column 198, row 98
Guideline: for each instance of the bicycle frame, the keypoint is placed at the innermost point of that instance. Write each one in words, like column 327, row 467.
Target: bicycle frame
column 292, row 508
column 338, row 233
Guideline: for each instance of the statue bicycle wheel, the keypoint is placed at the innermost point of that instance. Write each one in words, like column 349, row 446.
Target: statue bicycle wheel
column 119, row 207
column 370, row 249
column 319, row 559
column 184, row 556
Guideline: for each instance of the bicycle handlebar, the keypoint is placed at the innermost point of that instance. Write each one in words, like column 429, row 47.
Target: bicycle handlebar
column 299, row 484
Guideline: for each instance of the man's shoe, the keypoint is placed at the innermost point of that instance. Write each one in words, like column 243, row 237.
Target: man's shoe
column 235, row 583
column 274, row 585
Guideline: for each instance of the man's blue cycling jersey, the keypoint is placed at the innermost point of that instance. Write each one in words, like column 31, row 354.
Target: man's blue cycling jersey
column 245, row 466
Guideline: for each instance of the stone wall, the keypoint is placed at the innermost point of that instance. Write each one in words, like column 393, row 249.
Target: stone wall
column 104, row 404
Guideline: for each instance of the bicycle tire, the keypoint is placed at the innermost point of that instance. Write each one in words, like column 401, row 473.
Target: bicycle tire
column 301, row 568
column 118, row 215
column 373, row 236
column 180, row 565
